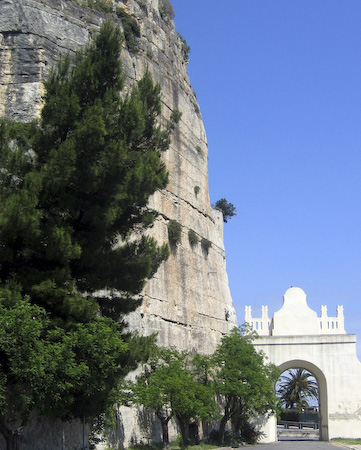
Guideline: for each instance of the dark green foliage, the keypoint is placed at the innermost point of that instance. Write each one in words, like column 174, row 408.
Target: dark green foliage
column 192, row 237
column 206, row 244
column 61, row 373
column 170, row 387
column 97, row 161
column 297, row 388
column 236, row 376
column 228, row 209
column 185, row 48
column 196, row 190
column 297, row 415
column 98, row 5
column 176, row 115
column 74, row 190
column 131, row 29
column 243, row 381
column 166, row 9
column 174, row 232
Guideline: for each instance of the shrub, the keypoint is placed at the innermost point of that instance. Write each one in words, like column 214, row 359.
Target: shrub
column 99, row 5
column 185, row 49
column 196, row 190
column 131, row 29
column 174, row 232
column 206, row 244
column 192, row 237
column 228, row 209
column 166, row 10
column 176, row 115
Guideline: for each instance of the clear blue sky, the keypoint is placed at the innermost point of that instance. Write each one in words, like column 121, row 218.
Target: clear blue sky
column 279, row 87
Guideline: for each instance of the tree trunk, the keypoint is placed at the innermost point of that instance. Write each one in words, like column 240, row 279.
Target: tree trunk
column 225, row 419
column 165, row 433
column 184, row 429
column 10, row 436
column 238, row 418
column 222, row 428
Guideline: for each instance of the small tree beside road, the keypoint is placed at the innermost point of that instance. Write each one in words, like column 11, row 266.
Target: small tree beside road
column 234, row 385
column 168, row 387
column 243, row 381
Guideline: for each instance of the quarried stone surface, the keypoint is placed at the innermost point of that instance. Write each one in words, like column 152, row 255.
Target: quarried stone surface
column 188, row 302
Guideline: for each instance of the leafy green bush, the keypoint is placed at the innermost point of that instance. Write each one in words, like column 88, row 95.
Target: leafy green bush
column 196, row 190
column 206, row 244
column 98, row 5
column 174, row 232
column 130, row 27
column 228, row 209
column 184, row 48
column 192, row 237
column 166, row 10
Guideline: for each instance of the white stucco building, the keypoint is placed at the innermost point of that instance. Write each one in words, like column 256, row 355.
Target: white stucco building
column 296, row 337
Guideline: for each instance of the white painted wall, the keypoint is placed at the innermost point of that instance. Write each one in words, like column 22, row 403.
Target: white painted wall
column 296, row 339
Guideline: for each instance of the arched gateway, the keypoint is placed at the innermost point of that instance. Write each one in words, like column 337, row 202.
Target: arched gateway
column 297, row 337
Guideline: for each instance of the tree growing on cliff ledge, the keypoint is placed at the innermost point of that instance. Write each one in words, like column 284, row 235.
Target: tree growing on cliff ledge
column 74, row 189
column 228, row 209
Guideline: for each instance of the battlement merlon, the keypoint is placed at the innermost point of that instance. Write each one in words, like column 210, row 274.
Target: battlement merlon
column 324, row 324
column 261, row 325
column 332, row 325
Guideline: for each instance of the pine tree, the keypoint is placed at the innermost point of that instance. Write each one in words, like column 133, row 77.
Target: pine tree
column 74, row 191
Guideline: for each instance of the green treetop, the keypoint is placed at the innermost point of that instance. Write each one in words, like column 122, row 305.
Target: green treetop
column 228, row 209
column 243, row 381
column 74, row 189
column 168, row 386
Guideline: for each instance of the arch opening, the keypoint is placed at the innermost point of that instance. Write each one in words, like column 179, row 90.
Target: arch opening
column 322, row 403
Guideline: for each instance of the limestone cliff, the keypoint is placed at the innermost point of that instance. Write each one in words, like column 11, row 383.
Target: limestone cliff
column 188, row 301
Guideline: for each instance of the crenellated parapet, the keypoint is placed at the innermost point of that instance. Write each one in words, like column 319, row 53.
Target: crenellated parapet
column 297, row 337
column 332, row 325
column 262, row 325
column 296, row 318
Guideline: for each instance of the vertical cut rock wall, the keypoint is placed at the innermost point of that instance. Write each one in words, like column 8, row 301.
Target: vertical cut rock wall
column 188, row 302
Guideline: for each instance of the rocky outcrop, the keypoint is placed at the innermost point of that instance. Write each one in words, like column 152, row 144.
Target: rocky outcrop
column 188, row 302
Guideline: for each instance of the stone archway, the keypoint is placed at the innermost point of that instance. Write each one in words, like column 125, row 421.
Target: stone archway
column 296, row 336
column 322, row 388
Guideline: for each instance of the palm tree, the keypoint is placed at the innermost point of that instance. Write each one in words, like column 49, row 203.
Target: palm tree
column 297, row 388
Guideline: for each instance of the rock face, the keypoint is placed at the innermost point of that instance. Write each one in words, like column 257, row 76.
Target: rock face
column 188, row 302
